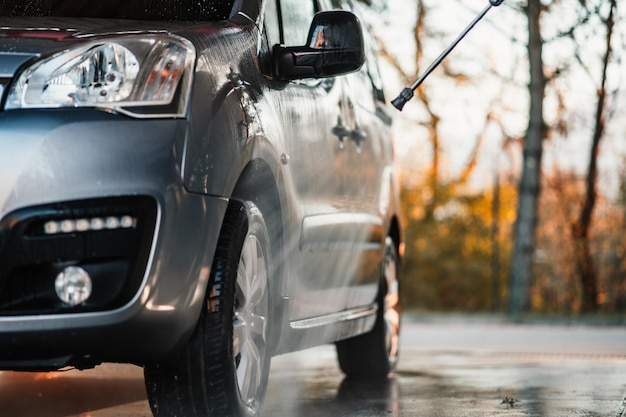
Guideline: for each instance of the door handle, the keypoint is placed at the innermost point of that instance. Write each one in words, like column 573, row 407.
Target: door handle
column 358, row 136
column 341, row 131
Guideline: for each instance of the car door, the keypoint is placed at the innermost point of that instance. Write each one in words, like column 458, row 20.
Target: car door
column 311, row 128
column 368, row 173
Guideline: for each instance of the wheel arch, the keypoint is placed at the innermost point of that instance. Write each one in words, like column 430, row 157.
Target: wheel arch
column 257, row 184
column 395, row 232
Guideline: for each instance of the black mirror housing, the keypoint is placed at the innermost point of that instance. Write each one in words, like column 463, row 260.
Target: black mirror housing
column 335, row 46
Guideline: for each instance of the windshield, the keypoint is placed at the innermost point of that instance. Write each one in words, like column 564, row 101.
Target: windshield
column 204, row 10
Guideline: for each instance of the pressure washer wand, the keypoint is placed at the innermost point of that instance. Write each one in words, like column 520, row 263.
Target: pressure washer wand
column 407, row 94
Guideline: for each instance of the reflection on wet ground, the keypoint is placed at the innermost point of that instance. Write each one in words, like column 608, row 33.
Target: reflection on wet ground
column 460, row 384
column 61, row 394
column 448, row 370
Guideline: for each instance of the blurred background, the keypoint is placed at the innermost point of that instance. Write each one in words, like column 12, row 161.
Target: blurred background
column 512, row 154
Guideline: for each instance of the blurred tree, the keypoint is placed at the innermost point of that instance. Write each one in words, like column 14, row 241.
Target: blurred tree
column 586, row 14
column 454, row 256
column 557, row 288
column 585, row 267
column 454, row 252
column 530, row 184
column 451, row 252
column 430, row 111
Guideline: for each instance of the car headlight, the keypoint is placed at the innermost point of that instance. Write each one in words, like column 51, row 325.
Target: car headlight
column 141, row 76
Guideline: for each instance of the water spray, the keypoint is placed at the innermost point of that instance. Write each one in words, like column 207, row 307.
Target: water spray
column 407, row 94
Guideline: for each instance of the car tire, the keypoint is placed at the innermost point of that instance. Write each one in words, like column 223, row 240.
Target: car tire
column 223, row 369
column 374, row 354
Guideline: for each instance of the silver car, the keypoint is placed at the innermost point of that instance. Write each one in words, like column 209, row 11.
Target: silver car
column 194, row 187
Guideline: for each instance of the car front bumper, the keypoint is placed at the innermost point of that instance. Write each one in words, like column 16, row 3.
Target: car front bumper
column 63, row 168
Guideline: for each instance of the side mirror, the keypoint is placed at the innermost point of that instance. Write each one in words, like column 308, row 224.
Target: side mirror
column 334, row 47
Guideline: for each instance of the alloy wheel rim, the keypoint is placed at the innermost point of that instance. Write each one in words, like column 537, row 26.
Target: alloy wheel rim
column 250, row 321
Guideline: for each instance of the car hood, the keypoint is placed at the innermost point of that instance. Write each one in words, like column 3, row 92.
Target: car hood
column 22, row 39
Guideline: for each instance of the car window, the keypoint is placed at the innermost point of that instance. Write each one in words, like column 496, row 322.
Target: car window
column 272, row 23
column 297, row 16
column 371, row 62
column 372, row 68
column 204, row 10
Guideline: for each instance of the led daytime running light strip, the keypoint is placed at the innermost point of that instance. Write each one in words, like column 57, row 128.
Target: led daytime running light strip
column 56, row 227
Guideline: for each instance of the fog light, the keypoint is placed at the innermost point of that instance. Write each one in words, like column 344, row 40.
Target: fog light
column 73, row 285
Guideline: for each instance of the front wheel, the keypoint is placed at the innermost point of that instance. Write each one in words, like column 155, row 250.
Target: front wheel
column 374, row 354
column 223, row 369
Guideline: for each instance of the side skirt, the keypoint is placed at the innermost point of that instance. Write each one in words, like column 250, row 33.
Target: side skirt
column 329, row 328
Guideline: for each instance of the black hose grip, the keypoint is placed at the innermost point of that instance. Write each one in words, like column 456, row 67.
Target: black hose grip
column 403, row 98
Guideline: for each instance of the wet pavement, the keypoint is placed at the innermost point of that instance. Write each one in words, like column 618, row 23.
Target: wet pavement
column 447, row 368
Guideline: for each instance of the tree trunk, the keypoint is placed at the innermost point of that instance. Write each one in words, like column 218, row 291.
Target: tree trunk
column 495, row 245
column 530, row 185
column 585, row 267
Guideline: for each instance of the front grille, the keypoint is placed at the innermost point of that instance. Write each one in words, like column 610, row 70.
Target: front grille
column 110, row 238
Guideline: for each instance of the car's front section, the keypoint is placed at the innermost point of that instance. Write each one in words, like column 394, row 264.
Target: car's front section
column 104, row 254
column 176, row 193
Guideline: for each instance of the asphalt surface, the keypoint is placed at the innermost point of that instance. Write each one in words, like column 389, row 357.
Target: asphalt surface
column 448, row 368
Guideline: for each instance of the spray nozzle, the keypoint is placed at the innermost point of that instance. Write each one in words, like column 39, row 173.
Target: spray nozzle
column 407, row 94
